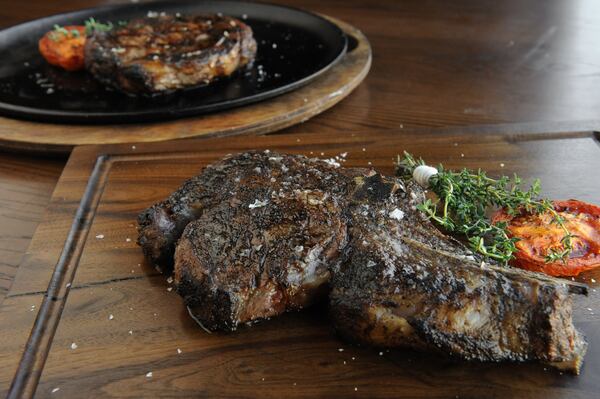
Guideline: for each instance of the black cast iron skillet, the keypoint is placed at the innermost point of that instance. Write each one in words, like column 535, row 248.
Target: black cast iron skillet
column 294, row 47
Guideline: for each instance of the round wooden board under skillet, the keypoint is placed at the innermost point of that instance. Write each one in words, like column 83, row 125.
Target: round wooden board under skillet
column 259, row 118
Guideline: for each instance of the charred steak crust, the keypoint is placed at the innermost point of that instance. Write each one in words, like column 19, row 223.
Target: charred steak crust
column 165, row 52
column 248, row 176
column 245, row 260
column 404, row 287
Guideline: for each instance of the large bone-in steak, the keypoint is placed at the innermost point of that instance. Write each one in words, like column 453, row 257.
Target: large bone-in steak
column 260, row 233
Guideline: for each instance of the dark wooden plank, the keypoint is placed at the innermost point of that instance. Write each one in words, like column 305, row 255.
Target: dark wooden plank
column 26, row 185
column 297, row 355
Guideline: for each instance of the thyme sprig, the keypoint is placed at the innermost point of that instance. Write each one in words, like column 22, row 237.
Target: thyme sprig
column 467, row 196
column 91, row 26
column 59, row 31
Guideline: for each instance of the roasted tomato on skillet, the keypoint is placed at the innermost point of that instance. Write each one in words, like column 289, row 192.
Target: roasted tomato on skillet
column 64, row 47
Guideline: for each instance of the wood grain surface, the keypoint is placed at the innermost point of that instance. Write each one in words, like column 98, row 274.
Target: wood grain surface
column 263, row 117
column 26, row 184
column 125, row 323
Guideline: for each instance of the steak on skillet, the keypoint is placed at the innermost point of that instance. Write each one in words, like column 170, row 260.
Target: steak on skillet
column 269, row 232
column 162, row 53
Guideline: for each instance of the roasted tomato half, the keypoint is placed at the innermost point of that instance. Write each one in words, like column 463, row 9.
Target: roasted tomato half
column 64, row 47
column 538, row 234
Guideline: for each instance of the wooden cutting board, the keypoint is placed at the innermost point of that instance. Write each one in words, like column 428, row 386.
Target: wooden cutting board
column 267, row 116
column 88, row 317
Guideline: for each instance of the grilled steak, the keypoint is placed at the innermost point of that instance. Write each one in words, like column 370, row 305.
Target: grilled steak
column 407, row 285
column 161, row 53
column 265, row 233
column 250, row 259
column 247, row 176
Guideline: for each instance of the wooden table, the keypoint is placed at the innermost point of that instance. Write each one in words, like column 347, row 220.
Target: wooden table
column 435, row 64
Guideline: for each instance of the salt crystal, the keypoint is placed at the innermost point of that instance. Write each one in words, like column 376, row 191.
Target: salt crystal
column 100, row 236
column 130, row 332
column 332, row 162
column 55, row 390
column 128, row 239
column 340, row 349
column 170, row 280
column 397, row 214
column 73, row 346
column 258, row 204
column 501, row 165
column 110, row 317
column 178, row 351
column 593, row 280
column 149, row 374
